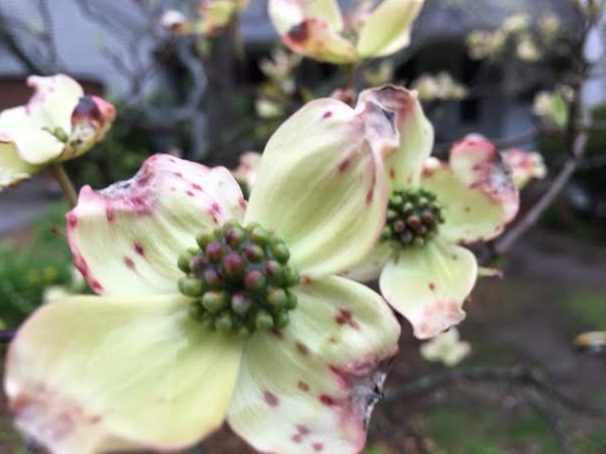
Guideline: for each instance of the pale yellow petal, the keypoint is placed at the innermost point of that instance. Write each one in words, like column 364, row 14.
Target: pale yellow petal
column 90, row 374
column 126, row 239
column 321, row 184
column 312, row 387
column 429, row 285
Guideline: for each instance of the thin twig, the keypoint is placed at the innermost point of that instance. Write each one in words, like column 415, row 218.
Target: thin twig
column 515, row 375
column 506, row 242
column 69, row 192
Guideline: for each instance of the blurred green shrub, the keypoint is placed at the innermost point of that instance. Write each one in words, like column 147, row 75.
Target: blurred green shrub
column 27, row 269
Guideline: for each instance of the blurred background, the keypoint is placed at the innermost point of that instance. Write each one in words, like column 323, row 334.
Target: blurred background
column 497, row 68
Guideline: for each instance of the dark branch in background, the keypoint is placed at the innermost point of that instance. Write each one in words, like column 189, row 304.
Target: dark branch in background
column 9, row 40
column 576, row 135
column 553, row 418
column 516, row 376
column 47, row 37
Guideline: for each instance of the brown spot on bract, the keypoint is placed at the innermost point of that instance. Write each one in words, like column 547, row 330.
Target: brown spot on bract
column 327, row 400
column 301, row 348
column 109, row 214
column 303, row 386
column 277, row 334
column 432, row 286
column 369, row 195
column 345, row 317
column 96, row 285
column 72, row 220
column 302, row 432
column 344, row 164
column 138, row 247
column 392, row 174
column 270, row 399
column 299, row 33
column 129, row 262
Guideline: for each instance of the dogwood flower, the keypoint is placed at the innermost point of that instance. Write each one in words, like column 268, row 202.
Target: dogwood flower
column 552, row 107
column 447, row 348
column 434, row 206
column 261, row 332
column 524, row 165
column 58, row 123
column 439, row 87
column 213, row 16
column 318, row 30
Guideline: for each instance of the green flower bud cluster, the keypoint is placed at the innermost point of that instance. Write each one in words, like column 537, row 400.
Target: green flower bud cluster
column 413, row 217
column 240, row 279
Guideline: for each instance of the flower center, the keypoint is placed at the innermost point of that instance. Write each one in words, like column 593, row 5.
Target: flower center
column 413, row 217
column 240, row 279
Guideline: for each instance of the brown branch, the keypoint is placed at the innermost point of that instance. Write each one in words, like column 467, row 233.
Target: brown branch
column 12, row 44
column 47, row 36
column 505, row 243
column 518, row 376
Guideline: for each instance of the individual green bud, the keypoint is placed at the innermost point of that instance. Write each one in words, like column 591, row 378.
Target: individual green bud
column 413, row 221
column 280, row 252
column 399, row 226
column 233, row 264
column 259, row 235
column 292, row 300
column 392, row 215
column 224, row 323
column 273, row 270
column 183, row 262
column 190, row 286
column 214, row 302
column 214, row 251
column 254, row 281
column 264, row 320
column 243, row 332
column 235, row 235
column 277, row 298
column 212, row 279
column 290, row 276
column 241, row 304
column 203, row 239
column 406, row 237
column 196, row 311
column 207, row 322
column 254, row 253
column 419, row 242
column 281, row 319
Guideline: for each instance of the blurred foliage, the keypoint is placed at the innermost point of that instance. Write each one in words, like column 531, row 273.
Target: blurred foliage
column 27, row 269
column 590, row 179
column 487, row 430
column 589, row 308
